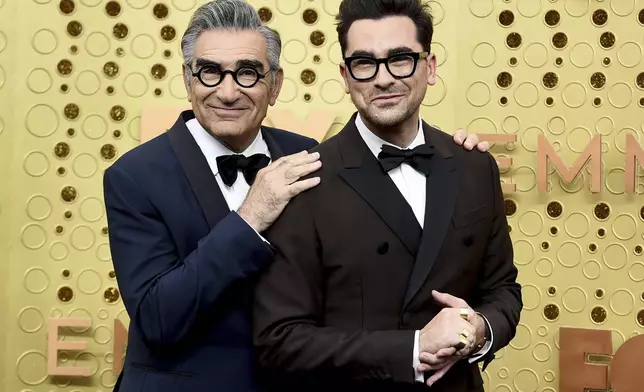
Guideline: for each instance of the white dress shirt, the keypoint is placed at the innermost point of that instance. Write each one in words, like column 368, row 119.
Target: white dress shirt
column 213, row 148
column 411, row 184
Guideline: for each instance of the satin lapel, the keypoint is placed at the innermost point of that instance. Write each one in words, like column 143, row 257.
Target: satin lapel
column 442, row 187
column 363, row 173
column 196, row 168
column 273, row 147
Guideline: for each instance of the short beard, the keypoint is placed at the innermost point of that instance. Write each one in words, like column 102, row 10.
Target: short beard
column 389, row 120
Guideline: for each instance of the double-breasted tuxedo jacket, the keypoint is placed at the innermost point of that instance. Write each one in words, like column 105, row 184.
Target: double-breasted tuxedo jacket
column 354, row 271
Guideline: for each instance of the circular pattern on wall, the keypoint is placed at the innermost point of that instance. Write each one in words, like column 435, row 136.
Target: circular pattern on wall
column 97, row 44
column 479, row 94
column 615, row 256
column 89, row 281
column 582, row 55
column 39, row 207
column 577, row 8
column 574, row 95
column 30, row 319
column 481, row 8
column 630, row 54
column 332, row 91
column 39, row 80
column 484, row 55
column 294, row 52
column 143, row 46
column 527, row 94
column 529, row 8
column 31, row 368
column 82, row 238
column 36, row 280
column 88, row 83
column 42, row 120
column 44, row 41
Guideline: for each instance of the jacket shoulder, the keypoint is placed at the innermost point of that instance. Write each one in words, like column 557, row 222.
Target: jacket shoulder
column 474, row 157
column 144, row 159
column 291, row 142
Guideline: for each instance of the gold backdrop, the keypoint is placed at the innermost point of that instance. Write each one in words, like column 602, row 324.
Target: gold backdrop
column 75, row 76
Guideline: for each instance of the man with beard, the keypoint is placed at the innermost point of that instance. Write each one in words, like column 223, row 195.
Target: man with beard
column 397, row 270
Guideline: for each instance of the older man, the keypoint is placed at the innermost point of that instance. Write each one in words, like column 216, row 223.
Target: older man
column 187, row 210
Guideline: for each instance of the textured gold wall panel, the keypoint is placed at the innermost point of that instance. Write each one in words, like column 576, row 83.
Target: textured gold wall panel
column 74, row 75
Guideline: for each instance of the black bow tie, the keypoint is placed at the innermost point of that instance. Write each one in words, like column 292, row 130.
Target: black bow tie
column 419, row 158
column 249, row 166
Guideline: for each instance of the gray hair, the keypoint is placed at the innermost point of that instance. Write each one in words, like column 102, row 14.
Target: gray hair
column 228, row 15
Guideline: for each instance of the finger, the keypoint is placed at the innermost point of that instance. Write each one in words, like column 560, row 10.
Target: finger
column 300, row 186
column 446, row 352
column 448, row 300
column 287, row 158
column 459, row 136
column 431, row 359
column 303, row 159
column 471, row 315
column 468, row 331
column 483, row 146
column 471, row 141
column 423, row 367
column 439, row 373
column 301, row 171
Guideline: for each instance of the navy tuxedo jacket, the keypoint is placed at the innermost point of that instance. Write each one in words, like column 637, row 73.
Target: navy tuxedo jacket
column 186, row 266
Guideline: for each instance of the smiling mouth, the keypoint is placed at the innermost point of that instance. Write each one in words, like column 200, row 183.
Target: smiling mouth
column 387, row 98
column 226, row 109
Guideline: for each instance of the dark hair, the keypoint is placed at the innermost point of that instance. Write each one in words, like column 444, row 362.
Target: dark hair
column 353, row 10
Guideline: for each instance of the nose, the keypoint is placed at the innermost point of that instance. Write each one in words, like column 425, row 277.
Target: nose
column 383, row 78
column 228, row 90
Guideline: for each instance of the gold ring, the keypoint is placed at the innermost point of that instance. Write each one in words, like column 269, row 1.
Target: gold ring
column 462, row 344
column 465, row 314
column 465, row 334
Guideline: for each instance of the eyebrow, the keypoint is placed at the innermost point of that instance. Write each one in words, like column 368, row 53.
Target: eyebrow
column 390, row 52
column 244, row 63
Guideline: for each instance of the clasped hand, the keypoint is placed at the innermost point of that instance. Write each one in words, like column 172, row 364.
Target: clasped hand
column 449, row 336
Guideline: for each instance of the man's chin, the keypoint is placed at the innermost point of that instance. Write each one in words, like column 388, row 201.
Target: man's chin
column 386, row 117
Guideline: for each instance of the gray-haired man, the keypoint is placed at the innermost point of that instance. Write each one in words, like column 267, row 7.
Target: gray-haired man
column 186, row 210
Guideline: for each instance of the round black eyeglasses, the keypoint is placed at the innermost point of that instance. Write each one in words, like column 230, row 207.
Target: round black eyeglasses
column 211, row 76
column 400, row 66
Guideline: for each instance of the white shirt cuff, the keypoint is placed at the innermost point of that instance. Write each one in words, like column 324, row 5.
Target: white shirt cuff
column 418, row 376
column 260, row 236
column 486, row 346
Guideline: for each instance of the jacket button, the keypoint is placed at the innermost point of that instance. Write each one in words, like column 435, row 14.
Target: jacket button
column 405, row 319
column 467, row 240
column 383, row 248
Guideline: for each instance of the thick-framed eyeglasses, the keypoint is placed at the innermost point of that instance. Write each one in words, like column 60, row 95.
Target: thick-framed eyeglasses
column 400, row 65
column 211, row 76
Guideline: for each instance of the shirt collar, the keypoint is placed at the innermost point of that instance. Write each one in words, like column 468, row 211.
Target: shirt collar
column 213, row 148
column 375, row 143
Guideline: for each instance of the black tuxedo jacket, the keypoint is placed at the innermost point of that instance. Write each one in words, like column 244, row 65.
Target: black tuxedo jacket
column 186, row 266
column 354, row 271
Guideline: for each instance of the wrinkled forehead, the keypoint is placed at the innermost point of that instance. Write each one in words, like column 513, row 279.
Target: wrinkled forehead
column 229, row 48
column 381, row 37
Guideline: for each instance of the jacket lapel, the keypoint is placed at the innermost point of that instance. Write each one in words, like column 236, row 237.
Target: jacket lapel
column 273, row 147
column 363, row 173
column 196, row 168
column 442, row 186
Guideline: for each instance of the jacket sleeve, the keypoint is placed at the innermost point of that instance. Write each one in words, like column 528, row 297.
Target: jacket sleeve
column 289, row 330
column 498, row 290
column 163, row 293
